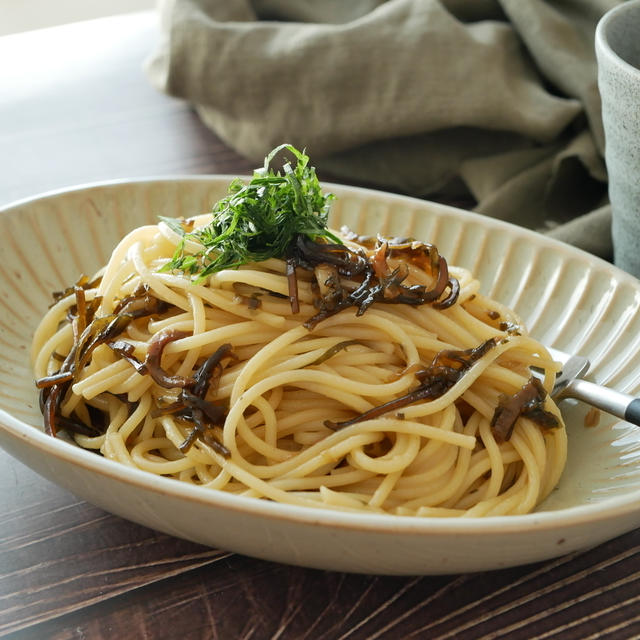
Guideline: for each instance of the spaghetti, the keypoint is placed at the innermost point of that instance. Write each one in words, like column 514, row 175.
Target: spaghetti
column 423, row 408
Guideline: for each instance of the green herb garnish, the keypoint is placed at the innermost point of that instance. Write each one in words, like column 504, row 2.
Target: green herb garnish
column 258, row 220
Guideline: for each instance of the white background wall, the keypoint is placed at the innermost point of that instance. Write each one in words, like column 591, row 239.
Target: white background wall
column 24, row 15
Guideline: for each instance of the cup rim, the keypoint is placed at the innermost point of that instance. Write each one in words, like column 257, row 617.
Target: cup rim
column 602, row 44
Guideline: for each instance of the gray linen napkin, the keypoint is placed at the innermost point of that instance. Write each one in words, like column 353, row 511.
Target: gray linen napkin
column 491, row 102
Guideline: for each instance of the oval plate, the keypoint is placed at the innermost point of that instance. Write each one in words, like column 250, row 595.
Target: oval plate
column 568, row 299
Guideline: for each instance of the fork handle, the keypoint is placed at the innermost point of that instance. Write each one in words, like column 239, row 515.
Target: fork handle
column 621, row 405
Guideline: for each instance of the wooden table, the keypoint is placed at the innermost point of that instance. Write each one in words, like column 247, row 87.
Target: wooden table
column 75, row 107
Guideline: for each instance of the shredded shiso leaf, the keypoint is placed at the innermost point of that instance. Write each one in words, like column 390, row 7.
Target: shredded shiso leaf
column 258, row 220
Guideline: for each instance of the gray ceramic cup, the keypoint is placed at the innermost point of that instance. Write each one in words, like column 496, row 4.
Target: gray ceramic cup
column 618, row 54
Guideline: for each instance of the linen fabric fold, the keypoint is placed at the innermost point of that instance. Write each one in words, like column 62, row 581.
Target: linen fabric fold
column 492, row 103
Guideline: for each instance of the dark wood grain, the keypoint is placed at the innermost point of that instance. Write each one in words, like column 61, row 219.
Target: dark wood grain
column 75, row 107
column 593, row 594
column 59, row 554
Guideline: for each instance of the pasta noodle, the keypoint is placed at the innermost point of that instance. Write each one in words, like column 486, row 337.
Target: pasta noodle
column 291, row 411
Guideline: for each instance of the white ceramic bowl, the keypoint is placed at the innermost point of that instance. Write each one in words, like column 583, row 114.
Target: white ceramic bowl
column 568, row 298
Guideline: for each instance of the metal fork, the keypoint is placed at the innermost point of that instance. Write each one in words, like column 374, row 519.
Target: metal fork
column 570, row 384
